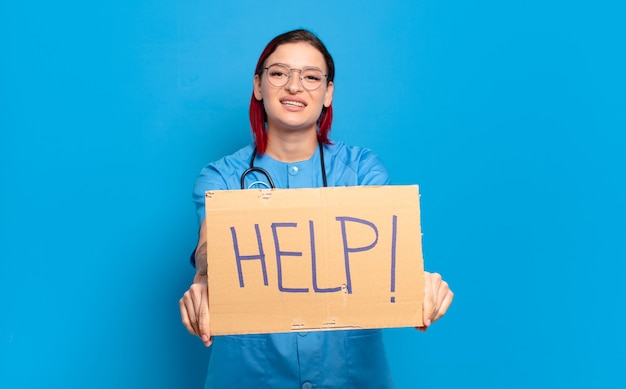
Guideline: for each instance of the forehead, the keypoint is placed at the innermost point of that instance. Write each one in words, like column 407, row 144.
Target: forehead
column 297, row 55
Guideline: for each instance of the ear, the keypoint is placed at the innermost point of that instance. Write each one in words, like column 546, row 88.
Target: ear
column 328, row 97
column 257, row 87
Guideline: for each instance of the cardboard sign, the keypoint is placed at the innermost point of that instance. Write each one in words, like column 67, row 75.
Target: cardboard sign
column 285, row 260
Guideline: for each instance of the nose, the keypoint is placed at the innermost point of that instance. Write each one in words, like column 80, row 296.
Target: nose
column 294, row 84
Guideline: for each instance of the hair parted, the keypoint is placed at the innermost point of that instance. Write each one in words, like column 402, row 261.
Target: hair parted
column 258, row 116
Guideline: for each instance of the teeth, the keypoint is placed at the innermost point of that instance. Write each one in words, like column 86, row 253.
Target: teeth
column 294, row 103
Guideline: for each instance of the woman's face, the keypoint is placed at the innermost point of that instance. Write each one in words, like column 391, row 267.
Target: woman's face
column 292, row 107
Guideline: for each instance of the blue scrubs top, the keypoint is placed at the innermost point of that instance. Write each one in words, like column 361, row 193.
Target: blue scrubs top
column 320, row 359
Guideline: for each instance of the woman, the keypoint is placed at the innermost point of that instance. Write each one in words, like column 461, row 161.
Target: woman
column 291, row 114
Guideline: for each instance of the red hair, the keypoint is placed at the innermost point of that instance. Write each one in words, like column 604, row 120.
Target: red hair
column 258, row 116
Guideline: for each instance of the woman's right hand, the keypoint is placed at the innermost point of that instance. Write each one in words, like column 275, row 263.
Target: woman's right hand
column 194, row 309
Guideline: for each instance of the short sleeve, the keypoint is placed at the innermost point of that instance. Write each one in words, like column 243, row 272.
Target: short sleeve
column 222, row 174
column 370, row 170
column 208, row 179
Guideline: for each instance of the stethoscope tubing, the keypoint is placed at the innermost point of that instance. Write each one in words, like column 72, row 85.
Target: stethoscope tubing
column 256, row 169
column 253, row 168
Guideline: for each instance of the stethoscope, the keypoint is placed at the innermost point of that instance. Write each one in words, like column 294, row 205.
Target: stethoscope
column 270, row 182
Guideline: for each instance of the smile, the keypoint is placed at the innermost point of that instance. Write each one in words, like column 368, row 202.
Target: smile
column 293, row 103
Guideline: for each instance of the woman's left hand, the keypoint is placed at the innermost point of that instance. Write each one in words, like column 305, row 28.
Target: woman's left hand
column 437, row 299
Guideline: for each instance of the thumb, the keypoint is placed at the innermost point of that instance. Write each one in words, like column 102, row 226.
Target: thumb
column 203, row 321
column 428, row 304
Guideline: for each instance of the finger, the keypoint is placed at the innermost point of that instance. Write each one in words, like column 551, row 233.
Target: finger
column 191, row 303
column 184, row 314
column 442, row 294
column 192, row 311
column 443, row 307
column 440, row 289
column 195, row 305
column 203, row 320
column 435, row 284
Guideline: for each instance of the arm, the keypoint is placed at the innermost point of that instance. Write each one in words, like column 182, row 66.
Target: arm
column 201, row 254
column 194, row 305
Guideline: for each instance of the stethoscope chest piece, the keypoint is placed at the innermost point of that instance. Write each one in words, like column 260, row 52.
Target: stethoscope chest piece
column 268, row 184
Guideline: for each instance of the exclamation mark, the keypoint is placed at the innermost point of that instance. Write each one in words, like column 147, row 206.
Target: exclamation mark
column 394, row 229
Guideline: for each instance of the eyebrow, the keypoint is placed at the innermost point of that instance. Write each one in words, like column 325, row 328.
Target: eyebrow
column 304, row 67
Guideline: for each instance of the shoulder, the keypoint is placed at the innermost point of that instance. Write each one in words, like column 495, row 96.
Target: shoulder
column 219, row 174
column 234, row 161
column 352, row 156
column 365, row 164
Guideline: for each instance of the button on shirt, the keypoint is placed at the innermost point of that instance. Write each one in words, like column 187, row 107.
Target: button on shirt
column 293, row 170
column 318, row 359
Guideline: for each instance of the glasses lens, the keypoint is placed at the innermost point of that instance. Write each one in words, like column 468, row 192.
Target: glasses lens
column 312, row 78
column 278, row 75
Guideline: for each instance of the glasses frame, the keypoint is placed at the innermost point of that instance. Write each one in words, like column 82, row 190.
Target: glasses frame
column 291, row 71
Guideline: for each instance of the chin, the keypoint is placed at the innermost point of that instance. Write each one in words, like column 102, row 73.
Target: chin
column 296, row 125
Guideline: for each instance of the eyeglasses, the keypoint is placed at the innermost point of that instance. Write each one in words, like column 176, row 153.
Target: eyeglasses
column 279, row 75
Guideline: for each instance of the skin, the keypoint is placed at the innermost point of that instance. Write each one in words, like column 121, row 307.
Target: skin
column 291, row 131
column 194, row 305
column 291, row 137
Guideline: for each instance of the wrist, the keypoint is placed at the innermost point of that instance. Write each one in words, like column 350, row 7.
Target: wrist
column 200, row 277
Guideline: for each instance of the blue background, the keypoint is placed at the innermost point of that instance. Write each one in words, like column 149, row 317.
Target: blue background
column 509, row 115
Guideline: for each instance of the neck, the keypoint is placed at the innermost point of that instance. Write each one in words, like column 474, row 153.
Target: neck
column 291, row 147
